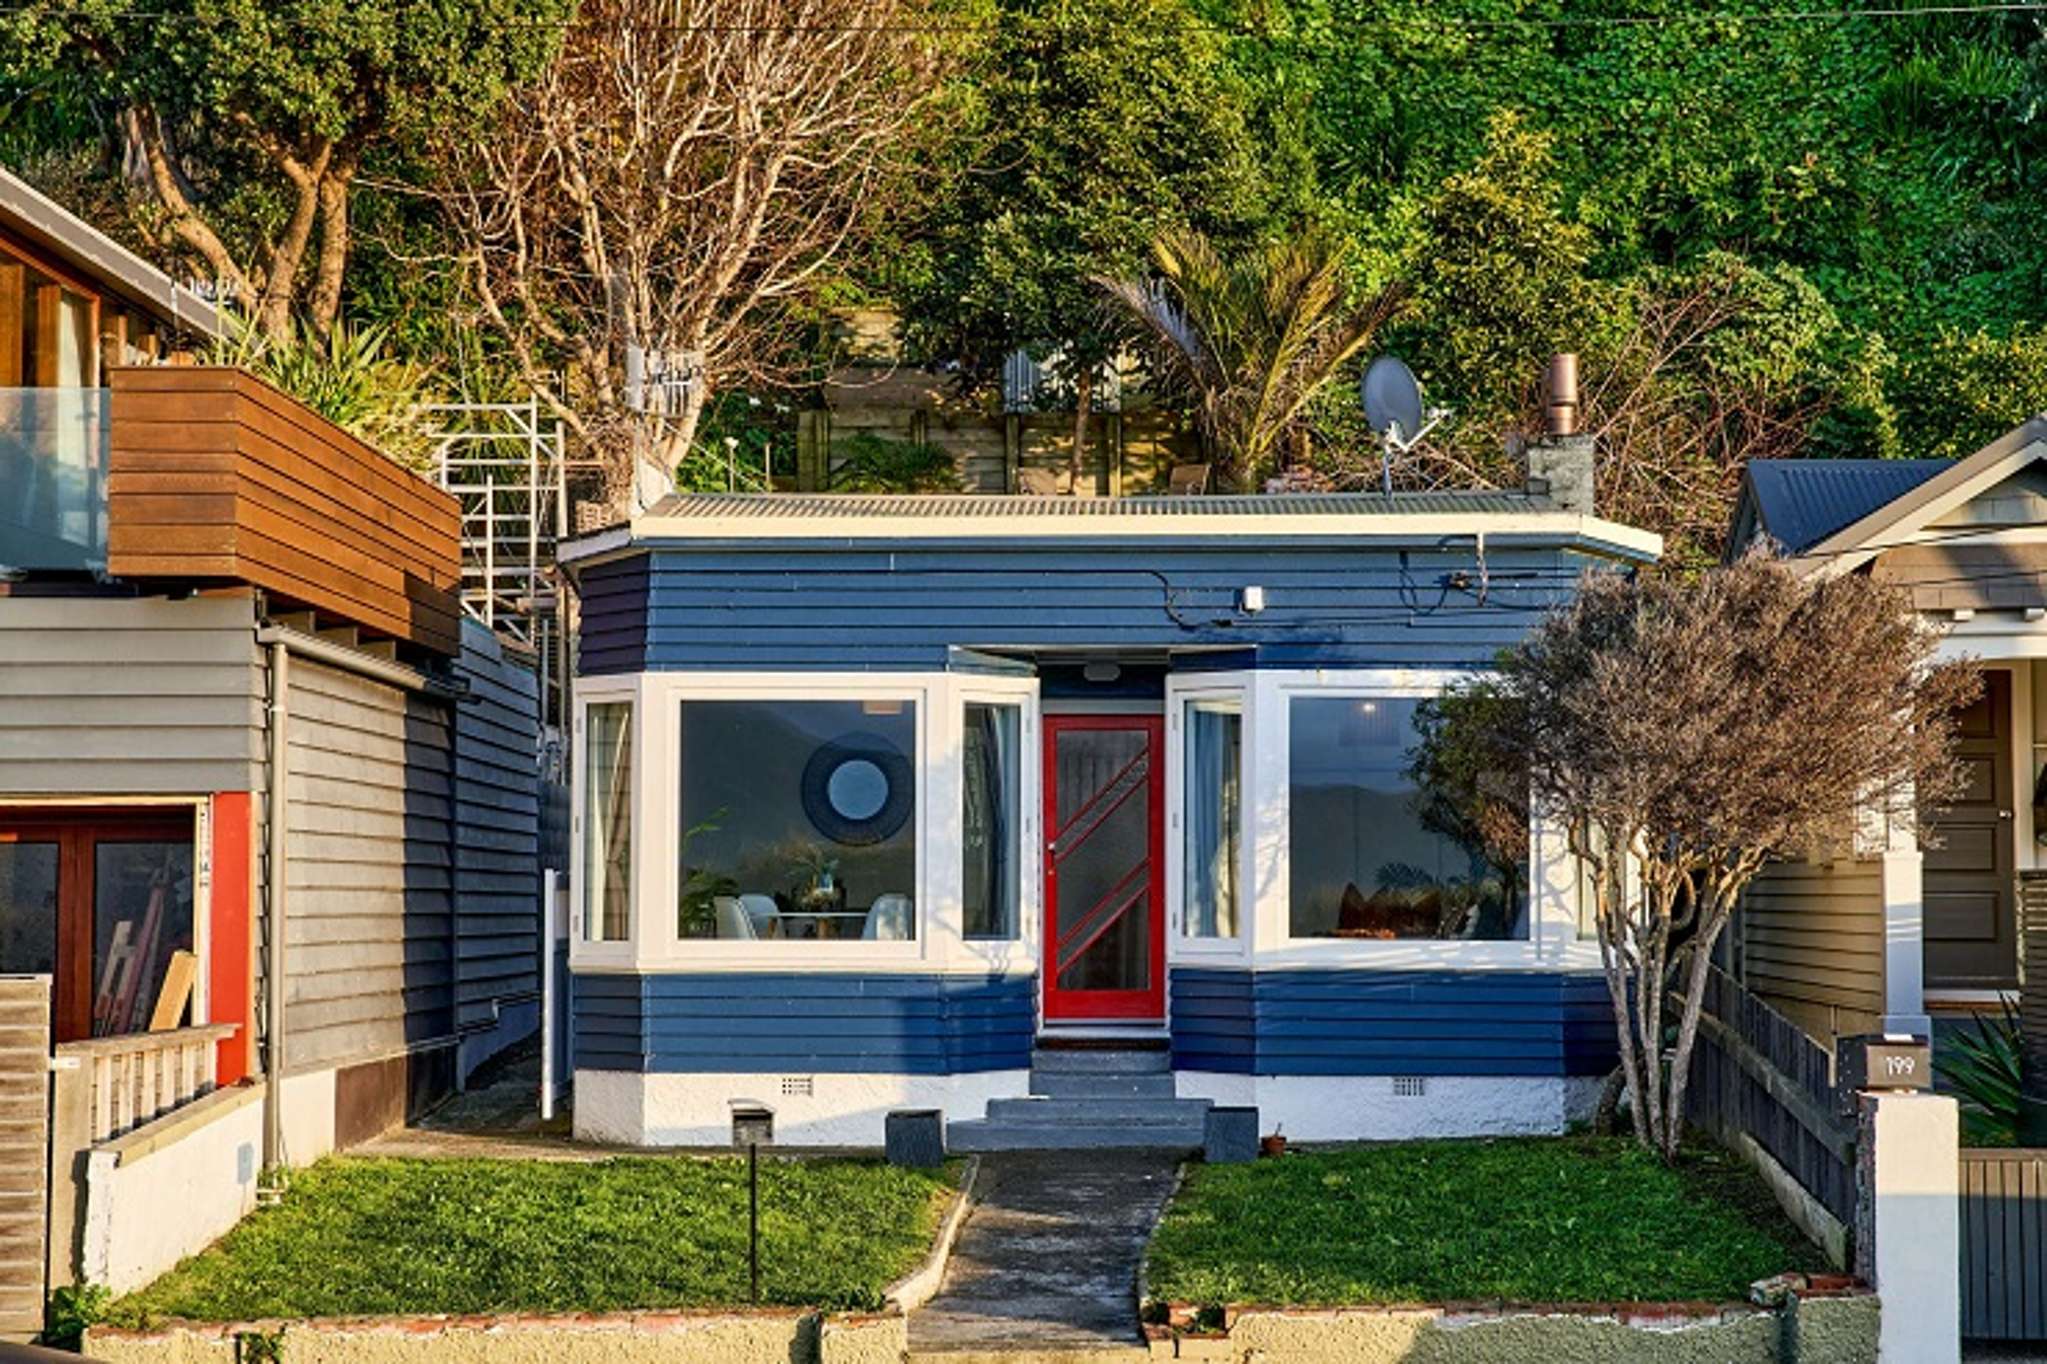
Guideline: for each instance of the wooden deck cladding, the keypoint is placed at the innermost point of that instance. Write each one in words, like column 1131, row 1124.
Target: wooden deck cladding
column 215, row 476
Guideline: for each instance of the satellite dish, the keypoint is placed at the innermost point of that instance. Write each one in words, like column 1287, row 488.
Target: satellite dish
column 1393, row 399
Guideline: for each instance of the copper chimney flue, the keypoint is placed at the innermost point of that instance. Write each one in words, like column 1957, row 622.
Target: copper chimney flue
column 1563, row 394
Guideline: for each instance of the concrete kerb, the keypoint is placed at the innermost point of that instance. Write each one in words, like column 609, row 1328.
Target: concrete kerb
column 1823, row 1328
column 1154, row 1332
column 767, row 1336
column 916, row 1288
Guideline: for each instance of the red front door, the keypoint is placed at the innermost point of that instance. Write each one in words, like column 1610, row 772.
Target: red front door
column 1105, row 899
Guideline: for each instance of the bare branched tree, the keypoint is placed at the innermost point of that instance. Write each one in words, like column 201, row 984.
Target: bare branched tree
column 675, row 181
column 1244, row 344
column 1682, row 732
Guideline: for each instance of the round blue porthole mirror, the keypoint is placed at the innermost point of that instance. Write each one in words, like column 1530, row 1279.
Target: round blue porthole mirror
column 858, row 790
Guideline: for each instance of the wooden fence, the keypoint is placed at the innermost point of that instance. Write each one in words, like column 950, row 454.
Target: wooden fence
column 1757, row 1074
column 2004, row 1244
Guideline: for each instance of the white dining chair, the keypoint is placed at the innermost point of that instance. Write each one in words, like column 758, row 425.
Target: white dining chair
column 888, row 919
column 765, row 914
column 733, row 920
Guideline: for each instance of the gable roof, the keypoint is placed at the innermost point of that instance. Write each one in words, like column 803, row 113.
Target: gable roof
column 1800, row 502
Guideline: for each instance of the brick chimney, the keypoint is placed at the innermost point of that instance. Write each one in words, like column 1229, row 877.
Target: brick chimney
column 1560, row 462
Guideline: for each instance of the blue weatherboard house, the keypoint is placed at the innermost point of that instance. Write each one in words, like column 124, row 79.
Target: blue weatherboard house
column 1066, row 816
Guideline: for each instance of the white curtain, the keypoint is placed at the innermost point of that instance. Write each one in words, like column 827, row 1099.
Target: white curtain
column 1214, row 815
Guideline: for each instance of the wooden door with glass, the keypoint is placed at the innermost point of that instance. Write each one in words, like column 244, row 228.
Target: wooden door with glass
column 102, row 902
column 1105, row 949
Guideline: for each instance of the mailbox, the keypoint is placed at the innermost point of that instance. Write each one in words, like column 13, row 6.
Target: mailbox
column 1885, row 1061
column 753, row 1125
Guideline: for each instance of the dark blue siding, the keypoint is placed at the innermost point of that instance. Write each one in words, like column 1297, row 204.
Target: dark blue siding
column 1364, row 1022
column 785, row 605
column 845, row 1023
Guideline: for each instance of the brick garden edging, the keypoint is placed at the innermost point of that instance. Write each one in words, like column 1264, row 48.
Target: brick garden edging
column 767, row 1336
column 1831, row 1325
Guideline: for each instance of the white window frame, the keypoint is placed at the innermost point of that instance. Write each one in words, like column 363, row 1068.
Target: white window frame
column 1183, row 689
column 1552, row 941
column 615, row 953
column 1021, row 952
column 663, row 696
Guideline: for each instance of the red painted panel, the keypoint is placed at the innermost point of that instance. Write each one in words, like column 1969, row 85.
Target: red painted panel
column 230, row 978
column 1148, row 1002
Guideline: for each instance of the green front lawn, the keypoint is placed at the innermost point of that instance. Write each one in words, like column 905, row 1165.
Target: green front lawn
column 420, row 1236
column 1568, row 1219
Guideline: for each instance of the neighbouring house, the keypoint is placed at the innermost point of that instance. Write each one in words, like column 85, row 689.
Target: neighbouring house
column 269, row 805
column 1875, row 932
column 997, row 440
column 950, row 802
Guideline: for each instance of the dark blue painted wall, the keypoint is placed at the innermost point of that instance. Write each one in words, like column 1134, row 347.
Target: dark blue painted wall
column 826, row 1023
column 1365, row 1022
column 841, row 606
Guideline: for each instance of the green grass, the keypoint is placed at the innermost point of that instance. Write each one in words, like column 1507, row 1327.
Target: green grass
column 1570, row 1219
column 419, row 1236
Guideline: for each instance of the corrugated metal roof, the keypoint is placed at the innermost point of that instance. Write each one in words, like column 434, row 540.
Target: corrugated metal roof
column 1800, row 502
column 825, row 506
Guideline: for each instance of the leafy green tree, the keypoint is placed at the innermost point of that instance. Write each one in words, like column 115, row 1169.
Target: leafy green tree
column 1245, row 342
column 245, row 124
column 1085, row 129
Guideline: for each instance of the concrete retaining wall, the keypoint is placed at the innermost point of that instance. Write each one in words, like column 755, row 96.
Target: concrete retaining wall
column 170, row 1188
column 766, row 1337
column 1834, row 1330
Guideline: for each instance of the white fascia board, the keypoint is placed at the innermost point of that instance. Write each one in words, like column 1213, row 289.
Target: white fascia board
column 1594, row 532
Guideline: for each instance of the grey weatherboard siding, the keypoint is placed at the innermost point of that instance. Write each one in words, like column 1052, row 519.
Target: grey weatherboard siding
column 833, row 605
column 1372, row 1022
column 829, row 1023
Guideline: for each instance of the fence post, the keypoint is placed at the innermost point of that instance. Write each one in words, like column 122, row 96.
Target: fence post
column 1908, row 1223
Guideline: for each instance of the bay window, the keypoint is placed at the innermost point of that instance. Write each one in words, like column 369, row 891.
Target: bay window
column 796, row 819
column 607, row 821
column 1370, row 857
column 991, row 819
column 1212, row 816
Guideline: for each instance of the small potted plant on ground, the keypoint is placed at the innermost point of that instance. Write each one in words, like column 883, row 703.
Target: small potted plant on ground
column 1273, row 1143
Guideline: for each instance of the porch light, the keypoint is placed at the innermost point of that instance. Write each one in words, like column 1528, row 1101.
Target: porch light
column 1251, row 600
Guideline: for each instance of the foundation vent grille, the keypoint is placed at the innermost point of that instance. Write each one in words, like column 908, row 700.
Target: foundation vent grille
column 797, row 1086
column 1410, row 1086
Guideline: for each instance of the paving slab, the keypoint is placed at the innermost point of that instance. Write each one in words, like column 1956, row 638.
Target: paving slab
column 1046, row 1265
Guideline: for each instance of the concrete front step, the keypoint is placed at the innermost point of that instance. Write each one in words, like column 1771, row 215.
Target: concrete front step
column 986, row 1135
column 1082, row 1085
column 1097, row 1110
column 1098, row 1061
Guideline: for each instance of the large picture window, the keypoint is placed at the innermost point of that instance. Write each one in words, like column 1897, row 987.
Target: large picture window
column 1213, row 813
column 607, row 821
column 990, row 819
column 1370, row 858
column 798, row 820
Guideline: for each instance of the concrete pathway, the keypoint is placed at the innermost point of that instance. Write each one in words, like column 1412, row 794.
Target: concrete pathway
column 1046, row 1266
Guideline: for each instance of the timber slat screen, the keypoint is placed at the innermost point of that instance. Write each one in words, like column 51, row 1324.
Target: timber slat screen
column 24, row 1168
column 2004, row 1244
column 1756, row 1073
column 217, row 477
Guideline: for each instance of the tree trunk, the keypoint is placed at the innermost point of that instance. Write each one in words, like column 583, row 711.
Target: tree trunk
column 1083, row 398
column 335, row 186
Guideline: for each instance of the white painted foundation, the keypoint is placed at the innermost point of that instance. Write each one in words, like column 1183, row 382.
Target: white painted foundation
column 170, row 1188
column 841, row 1110
column 1368, row 1108
column 308, row 1117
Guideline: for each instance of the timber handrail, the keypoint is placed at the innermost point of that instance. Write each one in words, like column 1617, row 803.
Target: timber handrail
column 138, row 1077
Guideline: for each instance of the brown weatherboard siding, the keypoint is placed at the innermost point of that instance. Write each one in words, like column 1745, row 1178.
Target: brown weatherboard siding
column 215, row 475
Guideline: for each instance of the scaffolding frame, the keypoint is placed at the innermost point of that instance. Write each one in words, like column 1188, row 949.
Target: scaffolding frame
column 507, row 466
